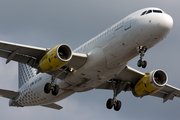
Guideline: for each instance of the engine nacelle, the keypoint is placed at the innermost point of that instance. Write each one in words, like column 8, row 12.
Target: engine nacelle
column 150, row 83
column 56, row 58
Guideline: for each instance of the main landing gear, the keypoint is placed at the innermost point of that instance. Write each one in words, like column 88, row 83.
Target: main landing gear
column 117, row 86
column 51, row 87
column 113, row 102
column 142, row 50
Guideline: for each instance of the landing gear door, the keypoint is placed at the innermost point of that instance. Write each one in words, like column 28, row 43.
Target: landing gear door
column 127, row 24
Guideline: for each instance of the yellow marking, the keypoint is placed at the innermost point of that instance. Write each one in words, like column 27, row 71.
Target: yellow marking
column 50, row 62
column 144, row 87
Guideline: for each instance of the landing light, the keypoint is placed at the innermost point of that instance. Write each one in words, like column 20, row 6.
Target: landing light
column 71, row 69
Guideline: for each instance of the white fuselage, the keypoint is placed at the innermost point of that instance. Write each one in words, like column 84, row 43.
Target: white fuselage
column 108, row 54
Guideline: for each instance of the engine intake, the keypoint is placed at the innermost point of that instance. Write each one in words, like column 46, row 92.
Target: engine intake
column 150, row 83
column 56, row 58
column 64, row 53
column 158, row 78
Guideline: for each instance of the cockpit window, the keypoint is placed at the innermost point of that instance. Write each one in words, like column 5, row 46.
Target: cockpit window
column 149, row 11
column 143, row 13
column 157, row 11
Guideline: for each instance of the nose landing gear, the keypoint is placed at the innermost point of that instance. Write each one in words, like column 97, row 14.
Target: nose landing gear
column 142, row 50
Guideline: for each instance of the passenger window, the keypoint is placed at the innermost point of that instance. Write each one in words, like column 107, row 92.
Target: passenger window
column 150, row 11
column 143, row 13
column 157, row 11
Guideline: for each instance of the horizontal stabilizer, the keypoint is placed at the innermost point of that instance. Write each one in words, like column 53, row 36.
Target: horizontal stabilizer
column 8, row 94
column 53, row 106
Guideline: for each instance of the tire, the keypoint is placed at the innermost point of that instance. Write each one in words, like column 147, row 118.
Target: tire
column 47, row 88
column 56, row 90
column 117, row 107
column 145, row 49
column 139, row 63
column 144, row 64
column 110, row 103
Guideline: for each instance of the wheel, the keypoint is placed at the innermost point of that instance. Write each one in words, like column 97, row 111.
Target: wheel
column 117, row 106
column 56, row 90
column 47, row 88
column 139, row 63
column 110, row 103
column 144, row 64
column 145, row 49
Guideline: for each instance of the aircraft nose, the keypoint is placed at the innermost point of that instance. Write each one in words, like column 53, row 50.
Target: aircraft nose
column 165, row 22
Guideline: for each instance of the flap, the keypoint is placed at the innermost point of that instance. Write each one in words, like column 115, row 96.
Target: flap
column 129, row 74
column 170, row 89
column 22, row 49
column 161, row 94
column 21, row 53
column 167, row 93
column 77, row 61
column 18, row 58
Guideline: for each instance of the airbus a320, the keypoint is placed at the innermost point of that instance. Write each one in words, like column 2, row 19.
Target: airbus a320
column 50, row 75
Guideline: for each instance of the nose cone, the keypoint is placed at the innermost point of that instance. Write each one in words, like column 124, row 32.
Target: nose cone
column 165, row 22
column 161, row 25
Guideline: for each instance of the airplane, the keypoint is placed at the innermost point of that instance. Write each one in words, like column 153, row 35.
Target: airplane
column 46, row 76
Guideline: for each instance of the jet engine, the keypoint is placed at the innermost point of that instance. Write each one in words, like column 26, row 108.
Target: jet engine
column 56, row 58
column 150, row 83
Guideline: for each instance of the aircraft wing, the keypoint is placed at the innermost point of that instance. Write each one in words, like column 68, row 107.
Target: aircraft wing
column 20, row 53
column 130, row 76
column 8, row 94
column 31, row 55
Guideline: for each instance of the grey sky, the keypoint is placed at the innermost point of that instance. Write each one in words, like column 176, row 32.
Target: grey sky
column 45, row 23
